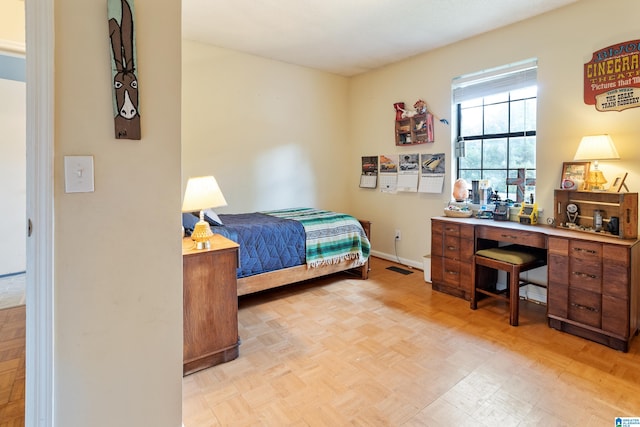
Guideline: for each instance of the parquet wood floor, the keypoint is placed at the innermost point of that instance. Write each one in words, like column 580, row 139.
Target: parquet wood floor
column 389, row 351
column 12, row 366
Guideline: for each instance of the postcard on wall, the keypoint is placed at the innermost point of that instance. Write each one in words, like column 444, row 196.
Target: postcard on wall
column 432, row 173
column 369, row 175
column 388, row 173
column 409, row 172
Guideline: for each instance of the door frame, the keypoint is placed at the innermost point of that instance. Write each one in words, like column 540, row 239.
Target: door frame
column 39, row 383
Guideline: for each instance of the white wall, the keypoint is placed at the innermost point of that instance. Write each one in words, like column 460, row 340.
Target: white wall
column 246, row 118
column 562, row 41
column 12, row 144
column 12, row 176
column 118, row 274
column 12, row 33
column 274, row 135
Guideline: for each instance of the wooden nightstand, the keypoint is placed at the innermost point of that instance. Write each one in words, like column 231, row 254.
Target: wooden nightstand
column 210, row 301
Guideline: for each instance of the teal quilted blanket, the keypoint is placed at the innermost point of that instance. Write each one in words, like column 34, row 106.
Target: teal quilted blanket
column 331, row 237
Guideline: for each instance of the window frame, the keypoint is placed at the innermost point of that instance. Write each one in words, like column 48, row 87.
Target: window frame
column 490, row 83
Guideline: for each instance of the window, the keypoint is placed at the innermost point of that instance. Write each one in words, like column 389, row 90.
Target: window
column 496, row 121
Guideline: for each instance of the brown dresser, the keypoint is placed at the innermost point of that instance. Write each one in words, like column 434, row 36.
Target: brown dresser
column 210, row 311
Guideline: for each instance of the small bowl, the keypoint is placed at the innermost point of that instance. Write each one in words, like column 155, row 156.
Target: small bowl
column 458, row 214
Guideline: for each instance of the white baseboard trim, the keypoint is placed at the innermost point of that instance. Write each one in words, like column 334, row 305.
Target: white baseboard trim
column 393, row 258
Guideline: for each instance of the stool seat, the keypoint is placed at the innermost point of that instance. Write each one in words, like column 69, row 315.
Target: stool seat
column 513, row 259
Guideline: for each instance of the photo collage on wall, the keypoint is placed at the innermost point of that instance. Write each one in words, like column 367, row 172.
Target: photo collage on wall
column 422, row 173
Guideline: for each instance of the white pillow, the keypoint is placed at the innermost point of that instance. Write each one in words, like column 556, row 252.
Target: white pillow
column 212, row 217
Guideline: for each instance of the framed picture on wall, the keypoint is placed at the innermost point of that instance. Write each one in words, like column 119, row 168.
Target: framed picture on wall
column 574, row 175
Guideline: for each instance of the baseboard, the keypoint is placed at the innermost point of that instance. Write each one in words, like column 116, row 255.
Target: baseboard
column 403, row 261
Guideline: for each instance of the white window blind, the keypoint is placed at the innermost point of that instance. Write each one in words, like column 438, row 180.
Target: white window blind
column 497, row 80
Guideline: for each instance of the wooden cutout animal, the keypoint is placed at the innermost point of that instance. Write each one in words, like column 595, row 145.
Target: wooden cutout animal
column 125, row 80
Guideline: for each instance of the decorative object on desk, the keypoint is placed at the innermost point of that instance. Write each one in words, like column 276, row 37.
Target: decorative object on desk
column 596, row 147
column 624, row 206
column 521, row 182
column 475, row 191
column 572, row 213
column 618, row 183
column 457, row 212
column 596, row 181
column 613, row 226
column 485, row 191
column 202, row 193
column 501, row 212
column 484, row 214
column 123, row 64
column 597, row 220
column 528, row 214
column 574, row 175
column 460, row 190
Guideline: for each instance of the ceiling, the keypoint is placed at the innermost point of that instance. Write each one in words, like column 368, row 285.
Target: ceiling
column 348, row 37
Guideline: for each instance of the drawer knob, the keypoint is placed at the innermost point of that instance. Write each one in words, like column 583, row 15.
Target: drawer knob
column 452, row 248
column 589, row 251
column 509, row 236
column 452, row 272
column 585, row 275
column 584, row 307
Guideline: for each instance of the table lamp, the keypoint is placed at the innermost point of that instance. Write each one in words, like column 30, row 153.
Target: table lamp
column 596, row 147
column 202, row 193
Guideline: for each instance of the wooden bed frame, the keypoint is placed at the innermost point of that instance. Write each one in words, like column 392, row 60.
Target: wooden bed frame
column 287, row 276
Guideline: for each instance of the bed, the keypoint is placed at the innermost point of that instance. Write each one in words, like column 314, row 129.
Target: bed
column 286, row 246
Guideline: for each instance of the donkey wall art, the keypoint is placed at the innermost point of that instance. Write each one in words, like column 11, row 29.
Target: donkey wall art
column 123, row 69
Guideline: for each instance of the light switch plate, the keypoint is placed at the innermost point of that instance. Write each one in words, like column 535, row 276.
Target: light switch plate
column 78, row 174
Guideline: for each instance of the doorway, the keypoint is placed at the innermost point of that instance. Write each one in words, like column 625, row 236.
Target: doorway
column 12, row 176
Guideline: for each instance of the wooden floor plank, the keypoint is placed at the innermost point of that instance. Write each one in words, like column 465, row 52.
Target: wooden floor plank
column 386, row 351
column 390, row 351
column 12, row 366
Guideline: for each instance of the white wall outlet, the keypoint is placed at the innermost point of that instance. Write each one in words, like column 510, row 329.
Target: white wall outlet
column 398, row 234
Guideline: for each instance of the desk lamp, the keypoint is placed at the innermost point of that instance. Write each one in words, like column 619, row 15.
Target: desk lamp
column 202, row 193
column 596, row 147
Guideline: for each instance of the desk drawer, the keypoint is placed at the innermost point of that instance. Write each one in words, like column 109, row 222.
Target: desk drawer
column 457, row 274
column 459, row 230
column 585, row 274
column 451, row 248
column 522, row 237
column 585, row 250
column 585, row 307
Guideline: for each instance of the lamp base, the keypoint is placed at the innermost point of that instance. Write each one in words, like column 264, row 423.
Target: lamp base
column 203, row 245
column 201, row 234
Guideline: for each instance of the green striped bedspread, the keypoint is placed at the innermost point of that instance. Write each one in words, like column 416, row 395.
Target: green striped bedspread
column 331, row 237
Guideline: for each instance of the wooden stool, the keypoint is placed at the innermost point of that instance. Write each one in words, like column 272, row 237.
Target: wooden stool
column 513, row 259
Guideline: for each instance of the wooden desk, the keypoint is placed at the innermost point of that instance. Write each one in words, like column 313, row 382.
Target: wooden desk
column 593, row 279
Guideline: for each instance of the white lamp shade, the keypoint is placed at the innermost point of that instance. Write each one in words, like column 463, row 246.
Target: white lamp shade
column 596, row 147
column 202, row 193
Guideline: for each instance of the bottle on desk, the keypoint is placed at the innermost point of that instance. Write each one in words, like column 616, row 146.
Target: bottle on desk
column 597, row 220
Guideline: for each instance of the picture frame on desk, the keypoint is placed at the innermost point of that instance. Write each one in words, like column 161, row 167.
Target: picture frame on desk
column 617, row 184
column 574, row 175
